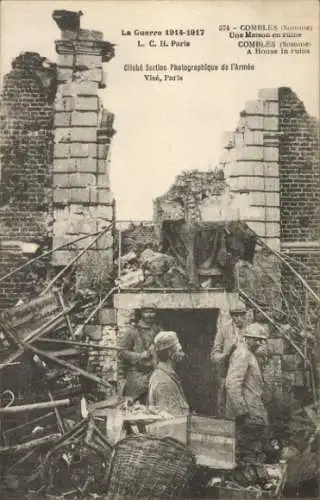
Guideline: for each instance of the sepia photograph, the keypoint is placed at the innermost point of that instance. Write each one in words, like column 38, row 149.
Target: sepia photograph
column 159, row 250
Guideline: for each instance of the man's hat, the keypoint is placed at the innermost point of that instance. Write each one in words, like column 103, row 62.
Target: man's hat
column 255, row 331
column 165, row 340
column 238, row 310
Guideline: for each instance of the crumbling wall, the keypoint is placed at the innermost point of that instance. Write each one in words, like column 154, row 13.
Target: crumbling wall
column 82, row 197
column 26, row 165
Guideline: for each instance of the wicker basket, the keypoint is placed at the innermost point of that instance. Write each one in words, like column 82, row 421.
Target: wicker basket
column 146, row 467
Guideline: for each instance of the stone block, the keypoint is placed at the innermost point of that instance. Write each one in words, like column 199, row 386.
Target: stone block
column 65, row 60
column 251, row 183
column 270, row 123
column 61, row 180
column 271, row 169
column 62, row 119
column 94, row 332
column 61, row 257
column 100, row 195
column 228, row 140
column 63, row 103
column 257, row 227
column 91, row 61
column 83, row 134
column 66, row 165
column 124, row 318
column 79, row 150
column 103, row 180
column 254, row 107
column 273, row 243
column 269, row 94
column 90, row 35
column 64, row 74
column 253, row 137
column 89, row 75
column 79, row 88
column 61, row 150
column 271, row 108
column 79, row 195
column 62, row 134
column 272, row 213
column 271, row 154
column 272, row 229
column 82, row 180
column 272, row 183
column 86, row 165
column 267, row 199
column 254, row 122
column 250, row 153
column 86, row 103
column 102, row 166
column 107, row 316
column 104, row 242
column 84, row 118
column 238, row 138
column 60, row 195
column 101, row 212
column 102, row 151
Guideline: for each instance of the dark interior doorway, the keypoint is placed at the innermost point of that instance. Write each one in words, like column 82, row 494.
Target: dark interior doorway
column 196, row 329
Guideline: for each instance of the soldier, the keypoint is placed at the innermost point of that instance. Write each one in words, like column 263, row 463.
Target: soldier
column 137, row 357
column 244, row 387
column 165, row 390
column 225, row 342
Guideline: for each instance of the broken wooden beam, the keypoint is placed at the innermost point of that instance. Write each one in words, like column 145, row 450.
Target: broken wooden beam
column 35, row 406
column 29, row 445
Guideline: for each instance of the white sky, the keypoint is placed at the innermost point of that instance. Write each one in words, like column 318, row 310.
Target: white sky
column 165, row 128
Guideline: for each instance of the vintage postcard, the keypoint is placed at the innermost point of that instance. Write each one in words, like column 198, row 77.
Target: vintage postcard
column 159, row 249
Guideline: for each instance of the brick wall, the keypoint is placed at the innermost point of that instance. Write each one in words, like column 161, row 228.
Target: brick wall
column 26, row 112
column 299, row 170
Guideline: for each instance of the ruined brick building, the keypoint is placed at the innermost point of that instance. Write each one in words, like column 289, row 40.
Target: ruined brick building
column 54, row 184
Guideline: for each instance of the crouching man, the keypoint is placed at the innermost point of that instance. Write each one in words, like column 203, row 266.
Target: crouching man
column 244, row 387
column 165, row 390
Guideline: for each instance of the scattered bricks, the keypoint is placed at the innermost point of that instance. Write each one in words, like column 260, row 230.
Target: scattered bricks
column 61, row 150
column 79, row 195
column 65, row 60
column 270, row 123
column 254, row 107
column 86, row 103
column 82, row 180
column 62, row 119
column 85, row 165
column 67, row 165
column 107, row 316
column 60, row 196
column 269, row 94
column 62, row 135
column 79, row 150
column 64, row 74
column 94, row 332
column 83, row 134
column 90, row 61
column 61, row 257
column 84, row 118
column 61, row 180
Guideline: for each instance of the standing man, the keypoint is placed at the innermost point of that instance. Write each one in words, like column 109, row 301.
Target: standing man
column 225, row 343
column 165, row 390
column 244, row 387
column 137, row 357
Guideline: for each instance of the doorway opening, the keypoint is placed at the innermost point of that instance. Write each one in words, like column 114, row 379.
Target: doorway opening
column 196, row 329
